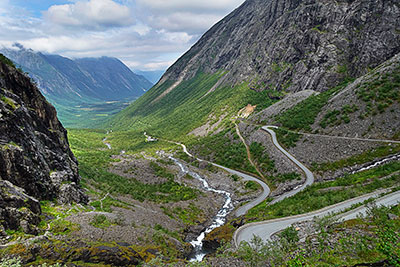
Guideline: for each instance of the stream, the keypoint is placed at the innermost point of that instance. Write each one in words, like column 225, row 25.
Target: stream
column 199, row 252
column 105, row 141
column 378, row 163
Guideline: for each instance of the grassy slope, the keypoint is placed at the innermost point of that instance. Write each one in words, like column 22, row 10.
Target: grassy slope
column 94, row 161
column 185, row 108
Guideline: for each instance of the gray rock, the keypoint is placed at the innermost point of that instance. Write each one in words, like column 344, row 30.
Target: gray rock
column 34, row 149
column 391, row 216
column 18, row 210
column 295, row 45
column 35, row 159
column 70, row 193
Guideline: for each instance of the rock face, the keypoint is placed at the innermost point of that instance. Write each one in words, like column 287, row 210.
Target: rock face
column 295, row 45
column 17, row 209
column 35, row 160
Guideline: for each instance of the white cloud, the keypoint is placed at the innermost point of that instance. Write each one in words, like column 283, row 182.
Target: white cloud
column 95, row 14
column 144, row 34
column 151, row 66
column 184, row 22
column 192, row 17
column 192, row 5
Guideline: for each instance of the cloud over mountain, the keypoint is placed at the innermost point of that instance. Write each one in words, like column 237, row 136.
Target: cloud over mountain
column 145, row 34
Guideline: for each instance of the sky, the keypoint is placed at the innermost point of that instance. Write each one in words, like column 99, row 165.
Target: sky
column 145, row 34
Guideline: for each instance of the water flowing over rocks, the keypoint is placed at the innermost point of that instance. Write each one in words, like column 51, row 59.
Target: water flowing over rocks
column 199, row 252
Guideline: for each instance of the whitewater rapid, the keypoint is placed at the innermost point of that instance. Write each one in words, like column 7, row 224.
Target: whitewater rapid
column 219, row 220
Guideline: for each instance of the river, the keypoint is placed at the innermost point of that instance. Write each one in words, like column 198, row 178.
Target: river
column 199, row 252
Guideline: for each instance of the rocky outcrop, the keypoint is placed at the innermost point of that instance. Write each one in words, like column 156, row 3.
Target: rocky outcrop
column 35, row 159
column 17, row 209
column 72, row 251
column 295, row 45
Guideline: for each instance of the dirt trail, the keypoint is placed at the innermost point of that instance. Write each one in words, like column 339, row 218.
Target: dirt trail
column 248, row 152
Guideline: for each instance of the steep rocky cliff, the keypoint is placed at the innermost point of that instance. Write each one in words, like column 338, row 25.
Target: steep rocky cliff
column 35, row 160
column 296, row 44
column 265, row 47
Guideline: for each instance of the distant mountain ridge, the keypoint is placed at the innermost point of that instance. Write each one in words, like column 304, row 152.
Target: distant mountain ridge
column 152, row 75
column 76, row 86
column 103, row 78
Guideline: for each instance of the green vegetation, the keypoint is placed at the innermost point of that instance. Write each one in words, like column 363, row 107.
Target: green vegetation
column 186, row 107
column 174, row 234
column 160, row 171
column 17, row 262
column 367, row 156
column 284, row 177
column 290, row 235
column 287, row 138
column 261, row 158
column 6, row 61
column 100, row 221
column 252, row 186
column 318, row 29
column 336, row 117
column 303, row 115
column 373, row 239
column 108, row 202
column 321, row 195
column 95, row 161
column 225, row 149
column 75, row 112
column 280, row 67
column 59, row 225
column 8, row 101
column 342, row 69
column 191, row 215
column 381, row 93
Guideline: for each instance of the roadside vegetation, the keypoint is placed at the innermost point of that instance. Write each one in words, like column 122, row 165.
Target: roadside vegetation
column 373, row 239
column 320, row 195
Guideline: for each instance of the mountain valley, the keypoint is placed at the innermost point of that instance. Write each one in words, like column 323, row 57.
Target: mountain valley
column 273, row 141
column 85, row 91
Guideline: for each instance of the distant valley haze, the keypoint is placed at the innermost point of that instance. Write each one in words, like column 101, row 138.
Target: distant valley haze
column 61, row 45
column 146, row 35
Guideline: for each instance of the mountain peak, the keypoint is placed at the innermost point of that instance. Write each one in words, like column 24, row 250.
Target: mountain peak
column 304, row 45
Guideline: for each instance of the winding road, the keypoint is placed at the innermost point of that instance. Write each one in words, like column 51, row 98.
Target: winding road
column 266, row 229
column 307, row 172
column 266, row 190
column 243, row 209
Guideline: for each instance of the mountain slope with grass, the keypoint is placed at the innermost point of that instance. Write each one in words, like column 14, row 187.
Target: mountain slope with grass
column 84, row 91
column 324, row 74
column 262, row 51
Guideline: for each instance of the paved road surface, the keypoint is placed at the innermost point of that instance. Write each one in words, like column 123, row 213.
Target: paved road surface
column 307, row 172
column 266, row 190
column 267, row 228
column 243, row 209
